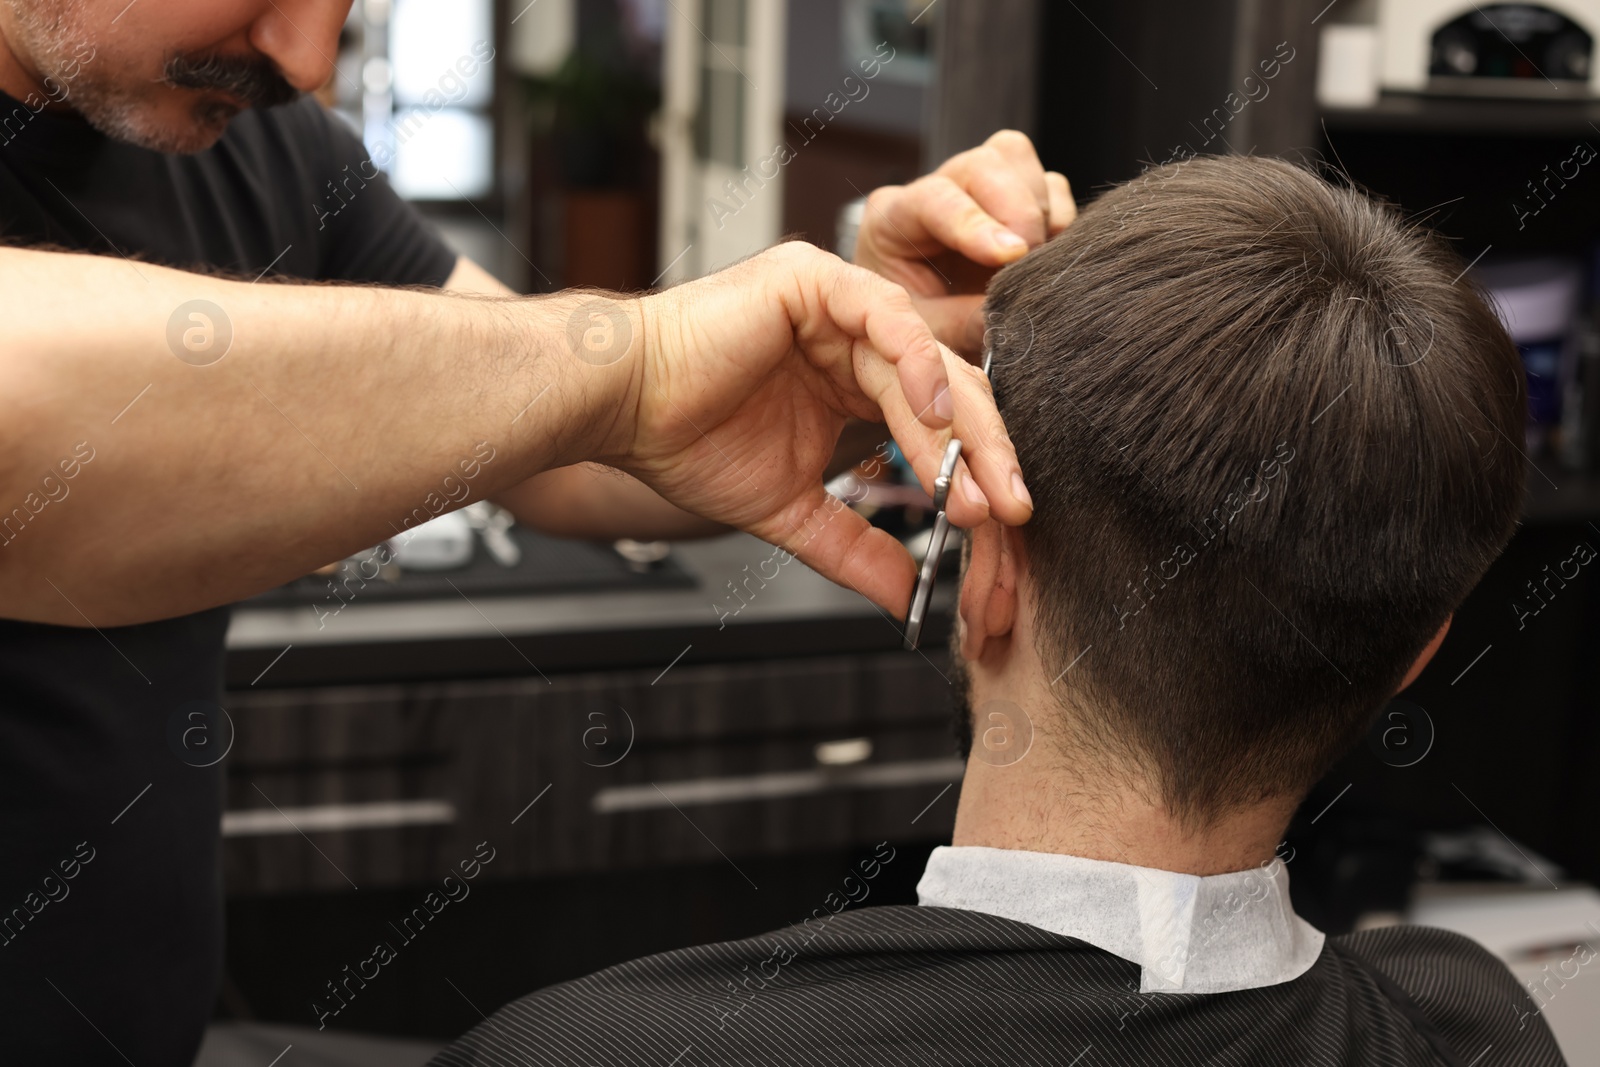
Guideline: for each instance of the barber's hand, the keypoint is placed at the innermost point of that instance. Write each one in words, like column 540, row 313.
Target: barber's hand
column 943, row 236
column 746, row 380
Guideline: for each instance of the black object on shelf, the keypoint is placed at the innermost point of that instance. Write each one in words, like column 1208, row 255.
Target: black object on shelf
column 1468, row 116
column 549, row 565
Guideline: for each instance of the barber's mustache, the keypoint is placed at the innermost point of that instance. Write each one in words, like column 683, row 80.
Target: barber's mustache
column 253, row 79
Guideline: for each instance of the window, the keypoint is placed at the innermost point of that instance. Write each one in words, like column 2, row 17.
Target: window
column 719, row 125
column 428, row 95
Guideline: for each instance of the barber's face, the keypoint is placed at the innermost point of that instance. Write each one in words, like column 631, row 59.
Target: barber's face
column 170, row 74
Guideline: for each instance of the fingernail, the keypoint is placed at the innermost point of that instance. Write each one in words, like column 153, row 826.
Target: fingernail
column 1019, row 490
column 943, row 406
column 971, row 490
column 1009, row 243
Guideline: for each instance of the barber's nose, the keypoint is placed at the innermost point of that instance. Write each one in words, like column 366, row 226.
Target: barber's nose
column 301, row 37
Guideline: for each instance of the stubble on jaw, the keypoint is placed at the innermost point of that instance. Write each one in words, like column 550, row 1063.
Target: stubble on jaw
column 41, row 31
column 53, row 40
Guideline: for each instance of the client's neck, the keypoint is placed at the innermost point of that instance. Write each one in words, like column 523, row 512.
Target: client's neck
column 1043, row 809
column 1056, row 798
column 1032, row 785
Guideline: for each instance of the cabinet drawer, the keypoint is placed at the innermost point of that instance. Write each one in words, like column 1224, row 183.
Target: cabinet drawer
column 386, row 785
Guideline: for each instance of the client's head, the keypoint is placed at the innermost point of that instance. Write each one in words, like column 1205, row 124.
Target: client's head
column 1268, row 428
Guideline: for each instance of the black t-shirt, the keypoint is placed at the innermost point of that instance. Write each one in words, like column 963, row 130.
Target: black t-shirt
column 900, row 985
column 110, row 889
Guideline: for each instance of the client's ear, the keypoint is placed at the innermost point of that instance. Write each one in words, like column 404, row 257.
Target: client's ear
column 988, row 588
column 1426, row 654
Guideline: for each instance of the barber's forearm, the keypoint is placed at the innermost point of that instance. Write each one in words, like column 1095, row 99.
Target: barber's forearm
column 586, row 501
column 593, row 502
column 334, row 416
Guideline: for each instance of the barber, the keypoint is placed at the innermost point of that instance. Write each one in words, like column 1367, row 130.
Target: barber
column 171, row 442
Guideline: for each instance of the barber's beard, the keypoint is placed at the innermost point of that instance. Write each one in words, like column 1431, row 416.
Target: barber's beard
column 109, row 98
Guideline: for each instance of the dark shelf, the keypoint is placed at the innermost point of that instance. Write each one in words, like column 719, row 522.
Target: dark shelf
column 1416, row 113
column 623, row 648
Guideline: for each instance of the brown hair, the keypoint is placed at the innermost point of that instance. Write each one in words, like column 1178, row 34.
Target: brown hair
column 1269, row 428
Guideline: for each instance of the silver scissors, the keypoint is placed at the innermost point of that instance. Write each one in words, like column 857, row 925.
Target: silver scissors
column 936, row 539
column 923, row 594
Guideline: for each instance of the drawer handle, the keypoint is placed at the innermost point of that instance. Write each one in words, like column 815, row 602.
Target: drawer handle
column 379, row 815
column 735, row 790
column 846, row 753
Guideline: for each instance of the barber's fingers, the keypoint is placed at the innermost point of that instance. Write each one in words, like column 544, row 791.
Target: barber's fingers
column 1006, row 177
column 991, row 203
column 1009, row 198
column 923, row 391
column 956, row 321
column 823, row 533
column 1017, row 149
column 1063, row 209
column 987, row 454
column 988, row 481
column 900, row 336
column 935, row 213
column 900, row 353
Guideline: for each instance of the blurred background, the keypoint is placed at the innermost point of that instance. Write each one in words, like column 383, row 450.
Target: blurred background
column 592, row 149
column 668, row 745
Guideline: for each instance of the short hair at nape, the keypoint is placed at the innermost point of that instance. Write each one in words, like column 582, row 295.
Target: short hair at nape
column 1268, row 425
